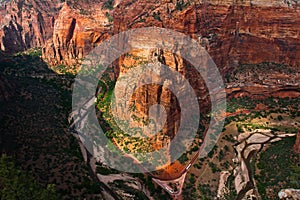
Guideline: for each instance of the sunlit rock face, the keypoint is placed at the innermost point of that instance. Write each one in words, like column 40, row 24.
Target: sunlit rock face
column 26, row 23
column 233, row 33
column 150, row 94
column 78, row 29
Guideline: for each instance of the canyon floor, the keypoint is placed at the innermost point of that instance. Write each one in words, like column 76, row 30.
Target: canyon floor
column 253, row 157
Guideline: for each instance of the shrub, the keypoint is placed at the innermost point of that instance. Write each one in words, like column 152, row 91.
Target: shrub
column 280, row 118
column 109, row 4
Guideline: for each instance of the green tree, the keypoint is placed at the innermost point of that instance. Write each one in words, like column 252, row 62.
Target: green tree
column 15, row 184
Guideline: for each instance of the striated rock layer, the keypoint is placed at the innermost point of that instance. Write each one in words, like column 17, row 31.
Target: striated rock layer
column 233, row 32
column 78, row 29
column 26, row 23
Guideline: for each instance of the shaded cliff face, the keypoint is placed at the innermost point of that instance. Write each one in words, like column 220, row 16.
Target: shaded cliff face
column 79, row 28
column 26, row 23
column 233, row 33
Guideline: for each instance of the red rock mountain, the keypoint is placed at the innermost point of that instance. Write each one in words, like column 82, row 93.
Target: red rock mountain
column 79, row 27
column 26, row 23
column 233, row 32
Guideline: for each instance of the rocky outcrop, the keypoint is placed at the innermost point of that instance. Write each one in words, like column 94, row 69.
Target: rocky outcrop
column 26, row 23
column 233, row 32
column 264, row 80
column 77, row 31
column 289, row 194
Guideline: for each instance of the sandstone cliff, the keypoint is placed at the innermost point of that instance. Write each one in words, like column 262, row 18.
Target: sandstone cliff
column 233, row 32
column 78, row 29
column 26, row 23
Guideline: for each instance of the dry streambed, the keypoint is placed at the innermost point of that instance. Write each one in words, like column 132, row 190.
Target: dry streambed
column 249, row 144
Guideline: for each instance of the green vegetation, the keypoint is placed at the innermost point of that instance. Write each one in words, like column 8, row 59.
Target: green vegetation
column 295, row 175
column 283, row 106
column 183, row 159
column 212, row 152
column 33, row 52
column 181, row 5
column 63, row 69
column 51, row 152
column 190, row 191
column 213, row 167
column 157, row 16
column 240, row 128
column 155, row 190
column 221, row 155
column 137, row 195
column 109, row 4
column 240, row 103
column 258, row 68
column 105, row 171
column 274, row 104
column 279, row 167
column 109, row 17
column 274, row 128
column 230, row 185
column 284, row 129
column 205, row 190
column 111, row 129
column 16, row 184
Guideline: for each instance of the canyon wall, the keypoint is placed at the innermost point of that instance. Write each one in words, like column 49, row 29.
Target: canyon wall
column 233, row 32
column 26, row 23
column 78, row 29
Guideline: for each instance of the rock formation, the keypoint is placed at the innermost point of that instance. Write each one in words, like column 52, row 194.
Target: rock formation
column 26, row 23
column 233, row 32
column 78, row 29
column 289, row 194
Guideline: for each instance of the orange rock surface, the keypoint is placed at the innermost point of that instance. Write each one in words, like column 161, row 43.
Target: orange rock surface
column 26, row 23
column 234, row 33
